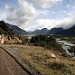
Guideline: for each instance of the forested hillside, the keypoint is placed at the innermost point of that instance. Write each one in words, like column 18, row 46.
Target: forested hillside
column 4, row 29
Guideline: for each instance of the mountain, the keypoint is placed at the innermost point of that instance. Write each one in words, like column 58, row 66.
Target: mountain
column 17, row 30
column 4, row 29
column 55, row 30
column 68, row 32
column 47, row 31
column 64, row 32
column 42, row 31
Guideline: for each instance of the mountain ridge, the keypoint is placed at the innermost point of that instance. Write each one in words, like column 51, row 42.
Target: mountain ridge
column 68, row 32
column 17, row 30
column 56, row 31
column 42, row 31
column 4, row 29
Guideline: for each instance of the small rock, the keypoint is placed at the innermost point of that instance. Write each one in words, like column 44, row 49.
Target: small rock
column 51, row 55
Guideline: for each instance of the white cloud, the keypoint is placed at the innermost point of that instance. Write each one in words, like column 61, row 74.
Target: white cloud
column 73, row 7
column 45, row 3
column 43, row 23
column 45, row 12
column 3, row 15
column 26, row 13
column 68, row 6
column 23, row 15
column 51, row 23
column 63, row 11
column 70, row 21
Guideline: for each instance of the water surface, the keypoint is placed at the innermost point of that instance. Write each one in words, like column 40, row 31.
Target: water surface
column 66, row 45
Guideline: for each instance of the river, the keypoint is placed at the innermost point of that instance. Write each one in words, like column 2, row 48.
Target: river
column 66, row 45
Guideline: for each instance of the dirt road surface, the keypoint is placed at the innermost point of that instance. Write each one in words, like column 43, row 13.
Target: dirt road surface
column 8, row 66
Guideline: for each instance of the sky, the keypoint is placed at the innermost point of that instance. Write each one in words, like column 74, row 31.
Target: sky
column 37, row 14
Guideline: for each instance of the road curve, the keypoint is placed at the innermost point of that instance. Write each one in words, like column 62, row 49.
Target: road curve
column 8, row 66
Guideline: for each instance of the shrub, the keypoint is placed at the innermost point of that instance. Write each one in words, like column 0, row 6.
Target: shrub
column 47, row 42
column 24, row 40
column 57, row 66
column 72, row 49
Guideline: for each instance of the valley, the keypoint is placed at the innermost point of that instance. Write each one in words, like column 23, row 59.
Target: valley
column 37, row 37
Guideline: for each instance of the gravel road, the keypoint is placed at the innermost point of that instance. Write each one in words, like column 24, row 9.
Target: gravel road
column 8, row 66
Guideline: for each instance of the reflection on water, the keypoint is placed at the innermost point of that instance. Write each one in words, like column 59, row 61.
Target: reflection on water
column 66, row 46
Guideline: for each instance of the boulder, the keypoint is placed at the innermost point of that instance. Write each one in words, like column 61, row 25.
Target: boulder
column 51, row 55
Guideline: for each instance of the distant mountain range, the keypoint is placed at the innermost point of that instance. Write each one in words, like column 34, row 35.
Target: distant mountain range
column 47, row 31
column 68, row 32
column 6, row 28
column 43, row 31
column 56, row 31
column 17, row 30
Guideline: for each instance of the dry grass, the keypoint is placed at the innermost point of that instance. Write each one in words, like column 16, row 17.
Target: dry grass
column 38, row 59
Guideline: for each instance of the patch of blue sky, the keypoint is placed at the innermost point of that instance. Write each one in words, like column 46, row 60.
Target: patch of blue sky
column 59, row 11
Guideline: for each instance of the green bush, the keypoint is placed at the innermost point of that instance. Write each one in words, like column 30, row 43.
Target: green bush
column 47, row 42
column 24, row 40
column 72, row 49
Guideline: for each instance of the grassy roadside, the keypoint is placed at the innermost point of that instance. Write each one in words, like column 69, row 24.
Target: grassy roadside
column 40, row 60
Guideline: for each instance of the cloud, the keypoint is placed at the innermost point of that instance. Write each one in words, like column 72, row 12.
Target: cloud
column 51, row 23
column 68, row 6
column 68, row 22
column 45, row 3
column 44, row 23
column 3, row 15
column 63, row 11
column 23, row 15
column 26, row 13
column 73, row 7
column 44, row 12
column 65, row 23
